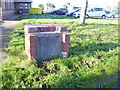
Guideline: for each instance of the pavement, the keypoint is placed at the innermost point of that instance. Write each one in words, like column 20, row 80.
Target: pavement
column 6, row 28
column 116, row 85
column 13, row 18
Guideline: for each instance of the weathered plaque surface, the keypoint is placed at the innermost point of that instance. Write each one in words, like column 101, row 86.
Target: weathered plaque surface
column 48, row 45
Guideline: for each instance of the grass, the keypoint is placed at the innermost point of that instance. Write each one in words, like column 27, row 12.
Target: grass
column 0, row 21
column 95, row 42
column 113, row 82
column 43, row 16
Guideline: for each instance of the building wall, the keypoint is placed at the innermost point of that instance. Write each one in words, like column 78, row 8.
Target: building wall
column 23, row 0
column 22, row 6
column 0, row 11
column 7, row 4
column 7, row 8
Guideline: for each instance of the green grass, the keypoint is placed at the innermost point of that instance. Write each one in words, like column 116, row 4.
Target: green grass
column 43, row 16
column 111, row 83
column 1, row 21
column 96, row 41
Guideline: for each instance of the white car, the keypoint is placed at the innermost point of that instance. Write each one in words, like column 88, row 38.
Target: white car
column 76, row 14
column 93, row 13
column 96, row 13
column 111, row 15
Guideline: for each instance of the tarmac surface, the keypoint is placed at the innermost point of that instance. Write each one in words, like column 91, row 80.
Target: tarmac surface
column 6, row 28
column 116, row 85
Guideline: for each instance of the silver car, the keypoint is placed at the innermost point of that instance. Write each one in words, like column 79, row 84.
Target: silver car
column 93, row 13
column 111, row 15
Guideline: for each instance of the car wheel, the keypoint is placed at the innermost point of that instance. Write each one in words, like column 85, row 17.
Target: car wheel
column 112, row 16
column 103, row 17
column 73, row 15
column 54, row 13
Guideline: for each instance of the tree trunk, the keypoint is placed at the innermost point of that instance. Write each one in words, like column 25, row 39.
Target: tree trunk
column 83, row 12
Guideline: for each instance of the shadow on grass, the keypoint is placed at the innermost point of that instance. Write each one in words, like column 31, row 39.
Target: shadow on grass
column 73, row 80
column 91, row 48
column 77, row 79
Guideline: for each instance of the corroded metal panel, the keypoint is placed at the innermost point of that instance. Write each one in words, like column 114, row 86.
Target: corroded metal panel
column 48, row 45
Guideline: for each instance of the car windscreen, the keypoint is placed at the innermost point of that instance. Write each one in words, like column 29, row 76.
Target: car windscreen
column 98, row 9
column 62, row 9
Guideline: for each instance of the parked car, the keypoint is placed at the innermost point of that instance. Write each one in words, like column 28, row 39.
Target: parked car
column 76, row 14
column 112, row 15
column 117, row 15
column 96, row 13
column 60, row 11
column 108, row 12
column 49, row 12
column 93, row 13
column 71, row 13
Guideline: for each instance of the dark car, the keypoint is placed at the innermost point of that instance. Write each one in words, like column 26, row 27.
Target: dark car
column 71, row 13
column 60, row 11
column 107, row 12
column 117, row 15
column 49, row 12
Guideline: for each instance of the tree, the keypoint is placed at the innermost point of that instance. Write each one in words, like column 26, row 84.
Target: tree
column 67, row 5
column 41, row 6
column 83, row 12
column 50, row 6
